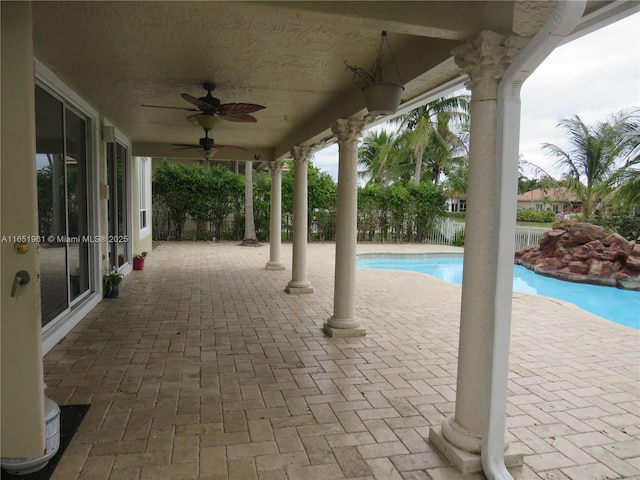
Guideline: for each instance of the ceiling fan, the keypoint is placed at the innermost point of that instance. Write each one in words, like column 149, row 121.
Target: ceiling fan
column 208, row 146
column 210, row 106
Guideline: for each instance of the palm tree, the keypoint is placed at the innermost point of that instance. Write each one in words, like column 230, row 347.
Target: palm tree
column 429, row 130
column 627, row 191
column 626, row 180
column 594, row 157
column 378, row 157
column 445, row 149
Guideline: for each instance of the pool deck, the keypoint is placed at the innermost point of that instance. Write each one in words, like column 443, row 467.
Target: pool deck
column 205, row 368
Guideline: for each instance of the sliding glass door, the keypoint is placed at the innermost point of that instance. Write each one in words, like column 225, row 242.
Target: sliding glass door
column 63, row 204
column 117, row 162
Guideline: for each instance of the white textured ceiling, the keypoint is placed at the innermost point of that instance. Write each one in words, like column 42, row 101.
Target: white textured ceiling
column 287, row 56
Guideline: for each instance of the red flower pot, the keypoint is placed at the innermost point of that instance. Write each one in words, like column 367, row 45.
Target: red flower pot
column 138, row 263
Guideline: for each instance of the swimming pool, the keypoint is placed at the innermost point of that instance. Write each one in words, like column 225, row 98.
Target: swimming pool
column 620, row 306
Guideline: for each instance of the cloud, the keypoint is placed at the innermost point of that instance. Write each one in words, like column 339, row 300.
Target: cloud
column 593, row 77
column 327, row 160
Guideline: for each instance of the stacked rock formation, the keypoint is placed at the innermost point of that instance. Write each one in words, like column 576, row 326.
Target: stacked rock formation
column 586, row 253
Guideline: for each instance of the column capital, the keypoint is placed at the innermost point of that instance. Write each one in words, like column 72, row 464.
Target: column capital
column 485, row 58
column 275, row 166
column 348, row 129
column 301, row 153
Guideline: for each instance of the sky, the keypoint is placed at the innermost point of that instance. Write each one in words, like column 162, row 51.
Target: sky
column 594, row 76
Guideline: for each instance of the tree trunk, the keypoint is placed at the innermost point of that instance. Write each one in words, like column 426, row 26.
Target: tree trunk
column 418, row 173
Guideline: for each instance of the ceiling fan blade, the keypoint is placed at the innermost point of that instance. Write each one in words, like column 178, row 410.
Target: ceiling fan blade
column 246, row 118
column 201, row 104
column 185, row 145
column 240, row 108
column 173, row 108
column 229, row 148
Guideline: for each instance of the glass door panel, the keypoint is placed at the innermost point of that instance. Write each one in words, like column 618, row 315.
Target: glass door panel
column 62, row 182
column 117, row 206
column 121, row 173
column 52, row 224
column 76, row 176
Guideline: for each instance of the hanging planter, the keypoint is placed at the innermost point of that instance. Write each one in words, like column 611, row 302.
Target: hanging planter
column 380, row 97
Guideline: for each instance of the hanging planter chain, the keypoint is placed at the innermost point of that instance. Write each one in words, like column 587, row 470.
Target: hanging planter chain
column 383, row 39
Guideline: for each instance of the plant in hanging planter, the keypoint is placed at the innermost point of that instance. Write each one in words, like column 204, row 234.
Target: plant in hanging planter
column 111, row 282
column 138, row 260
column 380, row 97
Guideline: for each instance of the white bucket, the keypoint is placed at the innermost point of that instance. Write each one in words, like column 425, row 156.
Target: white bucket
column 23, row 465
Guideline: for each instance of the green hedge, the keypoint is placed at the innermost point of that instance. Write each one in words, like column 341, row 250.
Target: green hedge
column 533, row 216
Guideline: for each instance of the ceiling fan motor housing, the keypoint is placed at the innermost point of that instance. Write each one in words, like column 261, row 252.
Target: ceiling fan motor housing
column 206, row 143
column 213, row 101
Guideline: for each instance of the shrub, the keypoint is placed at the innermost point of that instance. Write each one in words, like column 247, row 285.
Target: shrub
column 533, row 216
column 625, row 225
column 458, row 239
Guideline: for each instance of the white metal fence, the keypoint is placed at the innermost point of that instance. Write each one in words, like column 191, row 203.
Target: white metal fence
column 449, row 233
column 526, row 236
column 452, row 233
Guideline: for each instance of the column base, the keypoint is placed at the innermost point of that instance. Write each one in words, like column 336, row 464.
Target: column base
column 298, row 286
column 466, row 462
column 343, row 332
column 274, row 266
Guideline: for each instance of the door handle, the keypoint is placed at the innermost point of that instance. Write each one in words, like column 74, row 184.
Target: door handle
column 21, row 278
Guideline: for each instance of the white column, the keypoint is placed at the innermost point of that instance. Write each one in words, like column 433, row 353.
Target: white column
column 484, row 59
column 22, row 395
column 299, row 282
column 344, row 323
column 275, row 229
column 250, row 238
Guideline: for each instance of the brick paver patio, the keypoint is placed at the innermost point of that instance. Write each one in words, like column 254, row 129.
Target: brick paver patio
column 205, row 368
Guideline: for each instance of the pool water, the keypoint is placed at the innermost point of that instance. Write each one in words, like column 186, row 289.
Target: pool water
column 620, row 306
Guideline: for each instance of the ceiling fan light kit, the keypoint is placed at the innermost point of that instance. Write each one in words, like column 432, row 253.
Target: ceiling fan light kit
column 206, row 120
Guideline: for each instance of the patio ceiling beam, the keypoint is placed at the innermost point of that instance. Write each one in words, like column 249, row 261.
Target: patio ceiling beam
column 446, row 20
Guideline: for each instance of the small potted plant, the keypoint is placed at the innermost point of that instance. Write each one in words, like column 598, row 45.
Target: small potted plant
column 380, row 97
column 111, row 282
column 138, row 261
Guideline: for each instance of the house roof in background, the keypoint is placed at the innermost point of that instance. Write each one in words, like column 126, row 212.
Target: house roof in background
column 560, row 194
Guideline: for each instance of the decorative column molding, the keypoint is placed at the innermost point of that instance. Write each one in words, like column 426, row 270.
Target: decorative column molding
column 348, row 132
column 299, row 282
column 275, row 228
column 343, row 323
column 484, row 59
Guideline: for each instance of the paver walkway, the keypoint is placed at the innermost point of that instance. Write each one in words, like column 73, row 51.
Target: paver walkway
column 205, row 368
